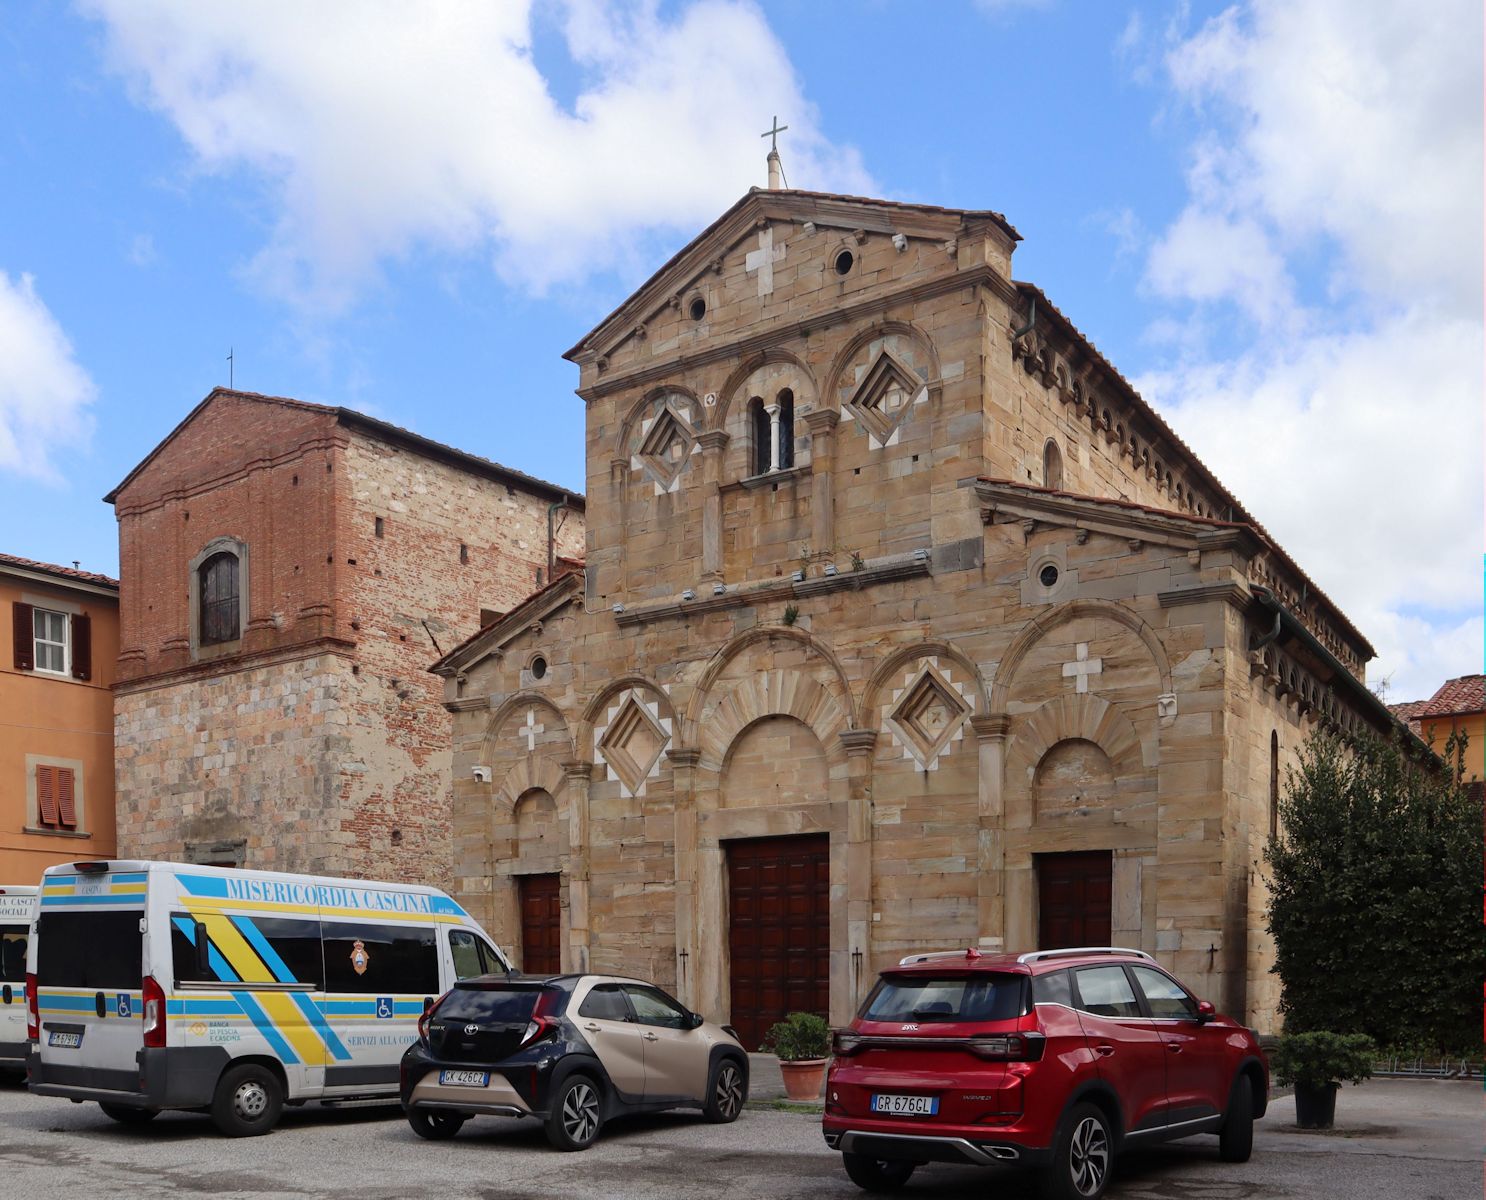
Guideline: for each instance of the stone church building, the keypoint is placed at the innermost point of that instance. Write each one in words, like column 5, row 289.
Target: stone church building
column 288, row 570
column 906, row 624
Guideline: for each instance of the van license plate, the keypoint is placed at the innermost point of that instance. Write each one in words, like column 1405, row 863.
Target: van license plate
column 464, row 1078
column 906, row 1106
column 56, row 1037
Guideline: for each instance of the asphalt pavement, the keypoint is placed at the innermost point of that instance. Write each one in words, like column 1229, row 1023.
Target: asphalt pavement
column 1394, row 1138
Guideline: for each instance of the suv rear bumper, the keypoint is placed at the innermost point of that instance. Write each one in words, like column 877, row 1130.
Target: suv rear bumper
column 929, row 1147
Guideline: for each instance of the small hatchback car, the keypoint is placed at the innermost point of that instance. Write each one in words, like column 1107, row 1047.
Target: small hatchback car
column 1057, row 1059
column 570, row 1050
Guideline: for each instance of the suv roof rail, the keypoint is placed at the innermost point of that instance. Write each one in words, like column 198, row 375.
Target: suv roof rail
column 969, row 952
column 1076, row 951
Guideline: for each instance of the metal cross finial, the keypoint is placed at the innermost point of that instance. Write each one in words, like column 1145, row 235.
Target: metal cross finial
column 774, row 133
column 230, row 366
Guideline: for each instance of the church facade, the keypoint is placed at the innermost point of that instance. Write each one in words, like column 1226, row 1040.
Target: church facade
column 288, row 571
column 905, row 624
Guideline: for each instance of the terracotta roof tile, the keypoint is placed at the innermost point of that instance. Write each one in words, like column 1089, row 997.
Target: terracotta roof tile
column 1466, row 694
column 29, row 564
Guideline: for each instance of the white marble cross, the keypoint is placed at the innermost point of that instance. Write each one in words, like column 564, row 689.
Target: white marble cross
column 532, row 728
column 1082, row 667
column 763, row 259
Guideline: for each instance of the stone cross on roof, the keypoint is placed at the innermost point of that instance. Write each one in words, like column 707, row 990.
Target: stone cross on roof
column 776, row 169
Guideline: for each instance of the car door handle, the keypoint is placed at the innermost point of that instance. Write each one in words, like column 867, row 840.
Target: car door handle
column 593, row 1029
column 650, row 1037
column 1174, row 1047
column 1106, row 1051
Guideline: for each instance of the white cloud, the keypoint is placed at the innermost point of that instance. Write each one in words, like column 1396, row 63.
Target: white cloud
column 1346, row 134
column 382, row 128
column 44, row 394
column 142, row 250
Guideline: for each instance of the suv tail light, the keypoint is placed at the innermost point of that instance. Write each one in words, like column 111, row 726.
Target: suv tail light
column 540, row 1025
column 1008, row 1047
column 154, row 1012
column 844, row 1044
column 426, row 1017
column 33, row 1012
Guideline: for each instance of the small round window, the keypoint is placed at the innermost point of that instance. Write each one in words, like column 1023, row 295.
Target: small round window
column 697, row 308
column 539, row 666
column 844, row 262
column 1048, row 576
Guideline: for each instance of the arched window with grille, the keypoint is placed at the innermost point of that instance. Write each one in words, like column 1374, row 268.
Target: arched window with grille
column 758, row 423
column 784, row 458
column 219, row 598
column 1052, row 466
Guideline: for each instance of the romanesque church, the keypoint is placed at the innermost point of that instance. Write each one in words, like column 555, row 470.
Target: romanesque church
column 905, row 624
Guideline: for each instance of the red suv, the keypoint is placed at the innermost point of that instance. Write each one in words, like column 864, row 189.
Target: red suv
column 1057, row 1059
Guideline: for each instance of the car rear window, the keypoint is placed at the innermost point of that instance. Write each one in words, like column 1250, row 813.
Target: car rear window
column 101, row 950
column 489, row 1006
column 933, row 998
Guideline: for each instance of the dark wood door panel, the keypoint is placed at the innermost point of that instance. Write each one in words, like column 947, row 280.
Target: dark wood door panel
column 541, row 923
column 779, row 933
column 1074, row 895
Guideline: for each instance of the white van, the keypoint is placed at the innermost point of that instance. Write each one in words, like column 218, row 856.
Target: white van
column 164, row 985
column 17, row 911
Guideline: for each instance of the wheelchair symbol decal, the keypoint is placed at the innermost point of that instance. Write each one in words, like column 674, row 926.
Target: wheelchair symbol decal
column 384, row 1007
column 124, row 1007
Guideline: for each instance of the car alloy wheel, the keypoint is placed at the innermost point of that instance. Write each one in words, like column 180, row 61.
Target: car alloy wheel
column 727, row 1096
column 1088, row 1156
column 580, row 1113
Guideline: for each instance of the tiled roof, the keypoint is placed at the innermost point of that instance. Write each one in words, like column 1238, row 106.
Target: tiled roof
column 514, row 617
column 1456, row 696
column 1408, row 712
column 29, row 564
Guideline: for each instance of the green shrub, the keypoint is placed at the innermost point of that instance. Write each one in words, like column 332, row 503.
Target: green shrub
column 799, row 1035
column 1320, row 1057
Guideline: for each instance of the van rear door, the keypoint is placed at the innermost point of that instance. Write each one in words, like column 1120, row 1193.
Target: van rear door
column 89, row 966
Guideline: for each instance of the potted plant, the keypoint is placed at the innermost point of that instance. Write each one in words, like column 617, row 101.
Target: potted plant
column 1317, row 1063
column 802, row 1040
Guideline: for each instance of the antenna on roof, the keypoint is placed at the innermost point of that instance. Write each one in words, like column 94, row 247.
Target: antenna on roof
column 230, row 366
column 776, row 168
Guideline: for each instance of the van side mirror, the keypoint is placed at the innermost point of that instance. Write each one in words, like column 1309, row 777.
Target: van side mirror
column 695, row 1020
column 1205, row 1011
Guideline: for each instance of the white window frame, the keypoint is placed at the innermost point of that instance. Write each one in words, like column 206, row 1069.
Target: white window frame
column 37, row 642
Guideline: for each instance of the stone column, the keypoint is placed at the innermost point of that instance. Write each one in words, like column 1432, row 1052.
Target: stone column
column 990, row 735
column 859, row 745
column 821, row 423
column 683, row 784
column 713, row 443
column 577, row 774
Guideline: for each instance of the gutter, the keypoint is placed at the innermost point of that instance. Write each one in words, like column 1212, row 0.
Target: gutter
column 1286, row 620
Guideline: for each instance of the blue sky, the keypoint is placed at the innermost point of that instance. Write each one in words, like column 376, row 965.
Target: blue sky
column 1268, row 215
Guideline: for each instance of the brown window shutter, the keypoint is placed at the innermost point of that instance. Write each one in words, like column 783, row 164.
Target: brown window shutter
column 82, row 646
column 23, row 631
column 46, row 795
column 66, row 797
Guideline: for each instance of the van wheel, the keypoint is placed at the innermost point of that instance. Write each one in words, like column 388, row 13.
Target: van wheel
column 726, row 1092
column 876, row 1174
column 1082, row 1156
column 248, row 1101
column 124, row 1114
column 436, row 1125
column 577, row 1114
column 1236, row 1138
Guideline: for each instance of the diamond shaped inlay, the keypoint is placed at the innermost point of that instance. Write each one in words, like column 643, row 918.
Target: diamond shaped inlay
column 884, row 396
column 632, row 744
column 928, row 716
column 667, row 445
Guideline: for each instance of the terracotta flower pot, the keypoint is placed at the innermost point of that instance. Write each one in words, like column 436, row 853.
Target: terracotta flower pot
column 1315, row 1106
column 803, row 1077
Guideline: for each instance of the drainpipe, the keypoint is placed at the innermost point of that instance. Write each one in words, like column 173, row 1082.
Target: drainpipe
column 1031, row 321
column 552, row 534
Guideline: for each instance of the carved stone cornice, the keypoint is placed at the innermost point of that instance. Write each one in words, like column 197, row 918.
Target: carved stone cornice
column 820, row 420
column 468, row 704
column 684, row 756
column 994, row 725
column 1227, row 591
column 713, row 441
column 858, row 741
column 576, row 768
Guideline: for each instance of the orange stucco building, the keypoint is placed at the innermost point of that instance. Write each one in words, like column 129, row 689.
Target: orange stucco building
column 1458, row 706
column 56, row 716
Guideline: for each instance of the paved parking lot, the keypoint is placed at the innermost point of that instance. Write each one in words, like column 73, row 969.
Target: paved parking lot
column 1420, row 1140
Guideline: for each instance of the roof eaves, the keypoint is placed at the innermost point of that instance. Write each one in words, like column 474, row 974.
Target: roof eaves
column 72, row 574
column 451, row 662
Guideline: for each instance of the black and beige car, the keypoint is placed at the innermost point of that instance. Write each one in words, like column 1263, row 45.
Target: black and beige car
column 572, row 1051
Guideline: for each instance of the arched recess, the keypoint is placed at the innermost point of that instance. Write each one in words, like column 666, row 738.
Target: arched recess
column 1082, row 717
column 803, row 384
column 622, row 445
column 921, row 340
column 768, row 778
column 497, row 744
column 536, row 771
column 597, row 708
column 895, row 664
column 782, row 692
column 702, row 696
column 1041, row 626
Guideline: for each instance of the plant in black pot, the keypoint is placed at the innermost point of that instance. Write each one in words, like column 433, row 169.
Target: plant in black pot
column 802, row 1040
column 1317, row 1064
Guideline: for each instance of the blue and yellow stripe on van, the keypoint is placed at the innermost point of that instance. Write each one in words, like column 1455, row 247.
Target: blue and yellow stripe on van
column 122, row 889
column 83, row 1002
column 220, row 894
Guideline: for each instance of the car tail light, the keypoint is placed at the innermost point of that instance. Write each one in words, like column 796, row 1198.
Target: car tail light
column 154, row 1012
column 1008, row 1047
column 427, row 1016
column 541, row 1024
column 844, row 1044
column 33, row 1012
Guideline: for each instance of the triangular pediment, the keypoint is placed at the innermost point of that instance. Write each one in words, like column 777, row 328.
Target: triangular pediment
column 506, row 634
